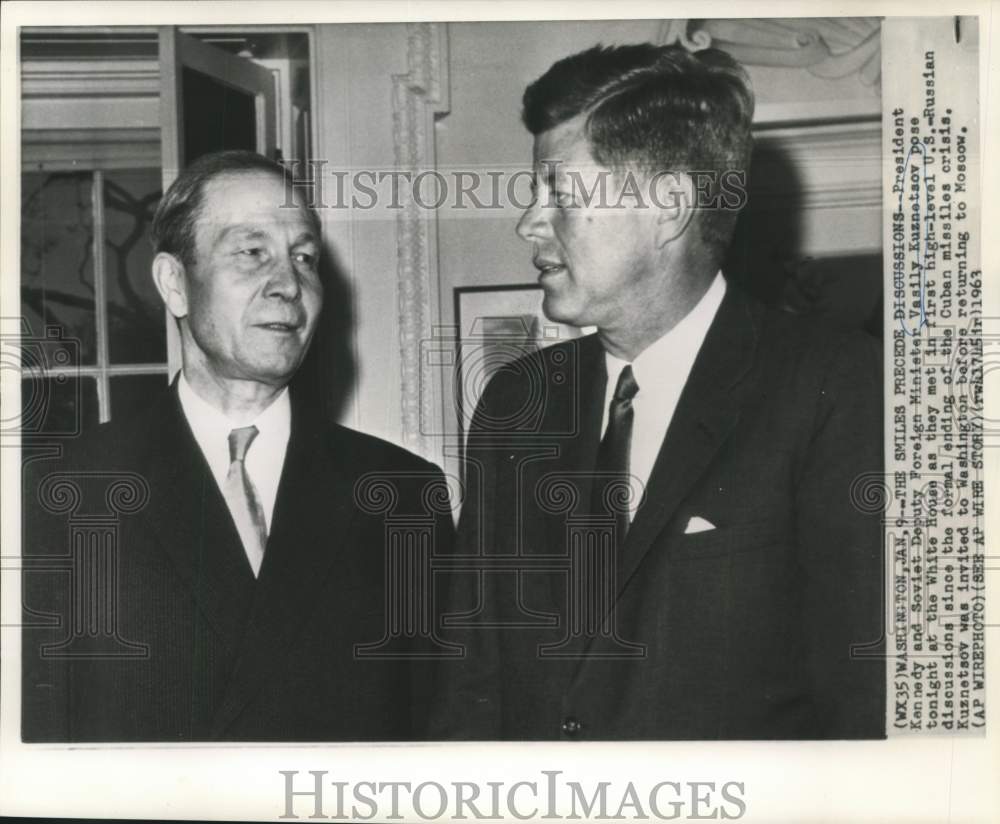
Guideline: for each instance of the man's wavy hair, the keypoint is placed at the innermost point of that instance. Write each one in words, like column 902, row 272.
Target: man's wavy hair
column 654, row 109
column 176, row 218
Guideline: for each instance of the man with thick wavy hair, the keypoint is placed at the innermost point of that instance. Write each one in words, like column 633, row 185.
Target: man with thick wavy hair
column 671, row 495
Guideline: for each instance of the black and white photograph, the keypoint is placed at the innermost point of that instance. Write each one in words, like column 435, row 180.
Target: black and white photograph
column 552, row 417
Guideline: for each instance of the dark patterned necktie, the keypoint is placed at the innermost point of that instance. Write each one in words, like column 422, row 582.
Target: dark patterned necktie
column 612, row 466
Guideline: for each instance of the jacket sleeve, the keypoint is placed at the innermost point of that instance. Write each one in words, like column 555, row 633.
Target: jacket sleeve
column 45, row 583
column 840, row 540
column 432, row 491
column 467, row 686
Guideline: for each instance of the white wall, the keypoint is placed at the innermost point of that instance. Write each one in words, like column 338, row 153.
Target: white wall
column 355, row 64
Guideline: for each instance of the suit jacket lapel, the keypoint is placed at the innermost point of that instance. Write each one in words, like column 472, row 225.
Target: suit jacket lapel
column 191, row 521
column 312, row 517
column 706, row 413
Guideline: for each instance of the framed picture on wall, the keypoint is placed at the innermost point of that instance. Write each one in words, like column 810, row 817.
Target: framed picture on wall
column 496, row 326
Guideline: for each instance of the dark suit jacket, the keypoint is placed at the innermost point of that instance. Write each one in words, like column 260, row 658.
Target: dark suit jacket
column 744, row 631
column 185, row 644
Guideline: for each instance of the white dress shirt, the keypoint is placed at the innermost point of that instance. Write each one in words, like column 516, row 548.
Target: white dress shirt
column 661, row 370
column 266, row 454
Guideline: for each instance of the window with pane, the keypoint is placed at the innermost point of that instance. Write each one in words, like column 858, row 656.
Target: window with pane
column 85, row 272
column 96, row 148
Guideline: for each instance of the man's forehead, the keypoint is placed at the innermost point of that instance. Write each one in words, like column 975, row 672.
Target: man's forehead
column 564, row 148
column 248, row 200
column 253, row 189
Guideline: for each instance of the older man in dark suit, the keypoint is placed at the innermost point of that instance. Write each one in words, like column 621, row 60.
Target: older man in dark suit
column 661, row 513
column 242, row 592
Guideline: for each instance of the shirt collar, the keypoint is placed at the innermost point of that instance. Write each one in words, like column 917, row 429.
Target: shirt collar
column 677, row 349
column 211, row 425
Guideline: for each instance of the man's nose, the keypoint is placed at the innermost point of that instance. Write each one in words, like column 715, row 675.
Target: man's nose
column 533, row 225
column 284, row 280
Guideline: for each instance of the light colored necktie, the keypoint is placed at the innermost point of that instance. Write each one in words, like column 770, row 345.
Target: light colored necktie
column 242, row 498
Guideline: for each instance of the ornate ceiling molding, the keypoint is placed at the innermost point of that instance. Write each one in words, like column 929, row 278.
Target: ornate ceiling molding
column 419, row 97
column 829, row 47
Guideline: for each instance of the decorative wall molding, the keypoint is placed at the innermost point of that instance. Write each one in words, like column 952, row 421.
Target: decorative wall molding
column 419, row 98
column 65, row 149
column 680, row 31
column 73, row 100
column 817, row 159
column 836, row 166
column 830, row 47
column 90, row 77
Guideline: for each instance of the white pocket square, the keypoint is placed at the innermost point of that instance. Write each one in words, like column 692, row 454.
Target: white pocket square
column 698, row 524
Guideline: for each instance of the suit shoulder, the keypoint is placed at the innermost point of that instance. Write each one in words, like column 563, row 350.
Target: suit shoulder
column 816, row 344
column 810, row 330
column 115, row 445
column 531, row 372
column 558, row 352
column 816, row 367
column 116, row 448
column 369, row 453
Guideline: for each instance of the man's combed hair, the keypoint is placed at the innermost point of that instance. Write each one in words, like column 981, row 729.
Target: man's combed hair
column 176, row 217
column 654, row 109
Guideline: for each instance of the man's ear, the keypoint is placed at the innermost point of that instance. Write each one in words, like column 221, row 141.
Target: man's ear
column 169, row 277
column 673, row 195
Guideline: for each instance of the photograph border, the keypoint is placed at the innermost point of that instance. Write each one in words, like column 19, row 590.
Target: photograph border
column 920, row 779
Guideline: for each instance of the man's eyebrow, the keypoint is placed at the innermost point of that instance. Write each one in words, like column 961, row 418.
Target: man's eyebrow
column 246, row 230
column 306, row 237
column 249, row 231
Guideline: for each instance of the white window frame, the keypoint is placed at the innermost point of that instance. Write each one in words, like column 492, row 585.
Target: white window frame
column 130, row 145
column 102, row 370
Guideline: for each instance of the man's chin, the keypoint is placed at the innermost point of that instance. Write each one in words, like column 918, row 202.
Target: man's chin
column 276, row 372
column 557, row 311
